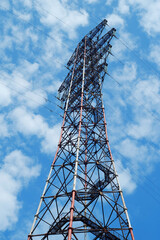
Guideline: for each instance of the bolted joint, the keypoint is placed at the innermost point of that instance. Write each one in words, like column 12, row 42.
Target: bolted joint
column 70, row 228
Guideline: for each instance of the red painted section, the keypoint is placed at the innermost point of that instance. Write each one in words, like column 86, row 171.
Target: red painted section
column 131, row 232
column 86, row 161
column 73, row 192
column 79, row 133
column 105, row 124
column 130, row 229
column 64, row 117
column 71, row 215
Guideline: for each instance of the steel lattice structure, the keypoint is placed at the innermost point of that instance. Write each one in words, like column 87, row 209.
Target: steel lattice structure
column 82, row 198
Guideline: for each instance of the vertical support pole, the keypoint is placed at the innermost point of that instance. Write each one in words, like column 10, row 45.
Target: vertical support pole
column 49, row 175
column 113, row 163
column 70, row 229
column 131, row 232
column 85, row 211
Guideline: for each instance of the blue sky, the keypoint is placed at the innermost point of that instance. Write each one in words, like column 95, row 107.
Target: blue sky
column 37, row 39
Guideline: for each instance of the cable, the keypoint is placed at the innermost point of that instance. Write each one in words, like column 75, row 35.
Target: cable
column 37, row 28
column 34, row 93
column 122, row 62
column 26, row 96
column 117, row 59
column 48, row 36
column 137, row 55
column 141, row 173
column 144, row 107
column 57, row 41
column 57, row 61
column 157, row 199
column 40, row 7
column 132, row 50
column 122, row 41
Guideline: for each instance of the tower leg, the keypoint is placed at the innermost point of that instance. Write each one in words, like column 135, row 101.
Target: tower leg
column 131, row 232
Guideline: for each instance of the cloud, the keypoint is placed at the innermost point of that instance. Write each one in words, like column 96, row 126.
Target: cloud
column 27, row 3
column 109, row 2
column 129, row 149
column 127, row 73
column 16, row 171
column 4, row 5
column 51, row 137
column 61, row 16
column 16, row 86
column 30, row 124
column 115, row 20
column 144, row 128
column 126, row 180
column 140, row 161
column 91, row 1
column 148, row 13
column 23, row 16
column 123, row 7
column 27, row 122
column 146, row 93
column 5, row 94
column 33, row 99
column 4, row 127
column 155, row 54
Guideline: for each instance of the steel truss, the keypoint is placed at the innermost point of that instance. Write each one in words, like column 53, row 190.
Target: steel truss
column 82, row 198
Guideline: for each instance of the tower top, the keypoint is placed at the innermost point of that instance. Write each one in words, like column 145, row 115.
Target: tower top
column 97, row 50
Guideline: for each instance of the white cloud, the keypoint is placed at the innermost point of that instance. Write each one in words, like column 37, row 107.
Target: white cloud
column 5, row 94
column 125, row 178
column 115, row 20
column 16, row 171
column 109, row 2
column 145, row 127
column 155, row 54
column 123, row 7
column 4, row 127
column 146, row 93
column 61, row 16
column 27, row 3
column 138, row 155
column 27, row 122
column 23, row 16
column 148, row 13
column 127, row 73
column 4, row 5
column 27, row 68
column 18, row 87
column 91, row 1
column 51, row 138
column 128, row 148
column 30, row 124
column 33, row 99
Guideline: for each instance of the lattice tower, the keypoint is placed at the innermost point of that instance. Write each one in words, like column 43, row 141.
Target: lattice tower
column 82, row 198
